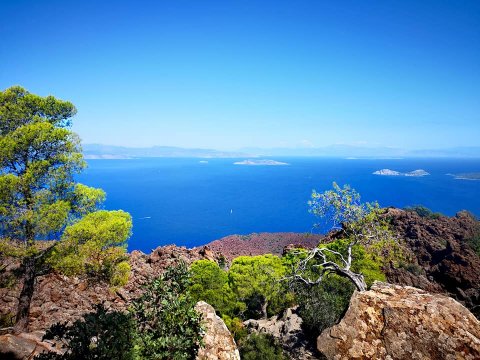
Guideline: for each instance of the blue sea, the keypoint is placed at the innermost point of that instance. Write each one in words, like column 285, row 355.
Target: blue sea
column 189, row 202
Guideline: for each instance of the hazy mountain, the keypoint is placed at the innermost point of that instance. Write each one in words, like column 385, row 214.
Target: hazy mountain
column 366, row 152
column 98, row 151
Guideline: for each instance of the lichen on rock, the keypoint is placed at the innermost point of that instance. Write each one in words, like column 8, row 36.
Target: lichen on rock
column 402, row 322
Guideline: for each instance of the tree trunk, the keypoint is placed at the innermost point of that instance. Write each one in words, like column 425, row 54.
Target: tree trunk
column 357, row 279
column 264, row 309
column 23, row 309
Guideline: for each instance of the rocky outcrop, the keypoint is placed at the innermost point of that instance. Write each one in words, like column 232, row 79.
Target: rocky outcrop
column 58, row 298
column 218, row 341
column 233, row 246
column 23, row 346
column 287, row 329
column 395, row 322
column 443, row 261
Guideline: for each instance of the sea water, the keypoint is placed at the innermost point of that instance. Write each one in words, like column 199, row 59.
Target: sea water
column 193, row 201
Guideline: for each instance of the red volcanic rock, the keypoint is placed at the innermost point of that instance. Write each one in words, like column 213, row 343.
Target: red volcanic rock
column 263, row 243
column 443, row 260
column 58, row 298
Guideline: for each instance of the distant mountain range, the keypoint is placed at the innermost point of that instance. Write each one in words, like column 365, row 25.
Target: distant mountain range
column 346, row 151
column 98, row 151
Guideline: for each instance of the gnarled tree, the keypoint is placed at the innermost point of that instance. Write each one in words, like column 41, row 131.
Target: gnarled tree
column 358, row 225
column 39, row 198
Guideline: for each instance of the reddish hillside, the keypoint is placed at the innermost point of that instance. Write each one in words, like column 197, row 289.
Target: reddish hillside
column 233, row 246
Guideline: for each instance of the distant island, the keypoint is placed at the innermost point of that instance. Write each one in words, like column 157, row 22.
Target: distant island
column 260, row 162
column 388, row 172
column 466, row 176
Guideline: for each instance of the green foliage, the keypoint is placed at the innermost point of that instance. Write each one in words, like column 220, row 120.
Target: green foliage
column 95, row 245
column 366, row 240
column 474, row 242
column 323, row 305
column 168, row 326
column 261, row 347
column 474, row 239
column 7, row 319
column 366, row 263
column 39, row 157
column 101, row 335
column 411, row 268
column 236, row 327
column 39, row 198
column 210, row 284
column 424, row 212
column 256, row 281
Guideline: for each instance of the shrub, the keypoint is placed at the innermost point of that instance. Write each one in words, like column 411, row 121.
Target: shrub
column 255, row 280
column 413, row 268
column 474, row 240
column 7, row 319
column 101, row 335
column 236, row 327
column 168, row 327
column 323, row 305
column 363, row 262
column 209, row 283
column 423, row 212
column 261, row 347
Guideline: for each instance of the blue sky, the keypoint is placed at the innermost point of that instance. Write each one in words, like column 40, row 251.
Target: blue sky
column 231, row 74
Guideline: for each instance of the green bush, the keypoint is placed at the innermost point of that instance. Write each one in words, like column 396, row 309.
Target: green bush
column 255, row 280
column 413, row 268
column 363, row 262
column 261, row 347
column 474, row 240
column 323, row 305
column 168, row 327
column 250, row 289
column 423, row 212
column 7, row 319
column 209, row 283
column 236, row 327
column 100, row 335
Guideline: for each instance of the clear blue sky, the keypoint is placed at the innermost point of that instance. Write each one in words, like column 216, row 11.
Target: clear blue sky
column 227, row 74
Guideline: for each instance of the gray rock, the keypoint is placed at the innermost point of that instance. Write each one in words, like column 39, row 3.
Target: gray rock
column 287, row 329
column 218, row 341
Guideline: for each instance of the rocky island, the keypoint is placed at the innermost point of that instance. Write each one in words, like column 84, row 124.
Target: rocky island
column 261, row 163
column 466, row 176
column 387, row 172
column 414, row 173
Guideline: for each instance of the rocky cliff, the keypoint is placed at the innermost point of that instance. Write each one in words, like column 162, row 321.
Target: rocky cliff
column 443, row 261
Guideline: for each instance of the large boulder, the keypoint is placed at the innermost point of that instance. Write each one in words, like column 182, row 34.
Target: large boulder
column 24, row 346
column 287, row 330
column 396, row 322
column 218, row 341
